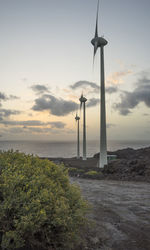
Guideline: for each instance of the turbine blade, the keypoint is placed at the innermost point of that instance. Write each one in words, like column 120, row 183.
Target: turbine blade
column 96, row 28
column 95, row 50
column 81, row 101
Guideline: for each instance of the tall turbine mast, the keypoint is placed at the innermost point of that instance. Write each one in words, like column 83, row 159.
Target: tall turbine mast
column 83, row 100
column 100, row 42
column 77, row 118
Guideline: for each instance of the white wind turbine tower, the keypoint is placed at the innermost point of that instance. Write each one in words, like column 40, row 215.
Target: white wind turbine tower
column 100, row 42
column 83, row 100
column 77, row 118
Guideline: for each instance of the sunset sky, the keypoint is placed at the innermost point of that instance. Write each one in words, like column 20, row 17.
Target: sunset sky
column 46, row 62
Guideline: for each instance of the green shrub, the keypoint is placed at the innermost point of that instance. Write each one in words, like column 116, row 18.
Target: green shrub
column 92, row 172
column 72, row 169
column 75, row 170
column 39, row 208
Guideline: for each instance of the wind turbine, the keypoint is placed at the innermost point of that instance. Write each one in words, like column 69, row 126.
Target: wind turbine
column 77, row 118
column 100, row 42
column 83, row 100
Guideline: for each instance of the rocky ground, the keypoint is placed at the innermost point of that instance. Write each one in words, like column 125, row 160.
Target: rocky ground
column 121, row 213
column 130, row 165
column 120, row 198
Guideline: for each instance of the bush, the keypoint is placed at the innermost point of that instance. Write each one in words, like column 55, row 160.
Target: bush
column 75, row 170
column 39, row 207
column 92, row 172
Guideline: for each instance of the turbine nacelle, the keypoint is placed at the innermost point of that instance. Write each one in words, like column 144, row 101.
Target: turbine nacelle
column 82, row 99
column 77, row 118
column 98, row 42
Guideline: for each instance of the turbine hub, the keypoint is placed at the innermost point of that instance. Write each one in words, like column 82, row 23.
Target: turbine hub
column 77, row 118
column 99, row 41
column 82, row 99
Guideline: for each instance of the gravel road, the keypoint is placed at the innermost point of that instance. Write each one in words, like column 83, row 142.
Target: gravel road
column 121, row 211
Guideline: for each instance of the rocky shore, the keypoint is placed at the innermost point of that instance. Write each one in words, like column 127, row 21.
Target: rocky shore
column 130, row 165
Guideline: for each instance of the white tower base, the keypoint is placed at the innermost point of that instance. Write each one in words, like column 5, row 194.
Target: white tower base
column 103, row 142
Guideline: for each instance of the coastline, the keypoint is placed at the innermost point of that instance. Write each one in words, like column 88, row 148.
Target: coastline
column 130, row 165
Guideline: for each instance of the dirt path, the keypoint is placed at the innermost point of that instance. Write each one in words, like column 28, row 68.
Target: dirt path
column 121, row 211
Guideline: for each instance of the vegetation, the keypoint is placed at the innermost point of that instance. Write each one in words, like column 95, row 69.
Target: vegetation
column 92, row 172
column 75, row 171
column 39, row 208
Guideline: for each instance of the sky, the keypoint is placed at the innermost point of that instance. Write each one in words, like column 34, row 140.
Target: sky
column 46, row 63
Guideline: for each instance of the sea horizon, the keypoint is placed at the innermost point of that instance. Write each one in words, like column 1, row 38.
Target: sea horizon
column 66, row 149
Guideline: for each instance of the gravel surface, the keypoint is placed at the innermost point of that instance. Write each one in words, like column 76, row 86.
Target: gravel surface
column 121, row 212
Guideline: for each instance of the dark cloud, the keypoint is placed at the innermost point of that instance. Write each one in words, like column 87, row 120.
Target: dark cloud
column 3, row 96
column 129, row 100
column 111, row 89
column 94, row 86
column 23, row 123
column 38, row 130
column 55, row 106
column 39, row 89
column 57, row 124
column 16, row 130
column 85, row 83
column 92, row 102
column 44, row 130
column 33, row 123
column 23, row 130
column 56, row 127
column 8, row 112
column 13, row 97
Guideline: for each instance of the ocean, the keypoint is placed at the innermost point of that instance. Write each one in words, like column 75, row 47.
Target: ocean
column 66, row 148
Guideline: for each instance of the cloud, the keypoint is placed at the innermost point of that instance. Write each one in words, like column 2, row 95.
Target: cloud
column 16, row 130
column 111, row 89
column 38, row 130
column 55, row 106
column 80, row 84
column 92, row 102
column 7, row 112
column 94, row 86
column 117, row 77
column 33, row 123
column 129, row 100
column 57, row 124
column 23, row 123
column 13, row 97
column 56, row 128
column 3, row 96
column 39, row 89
